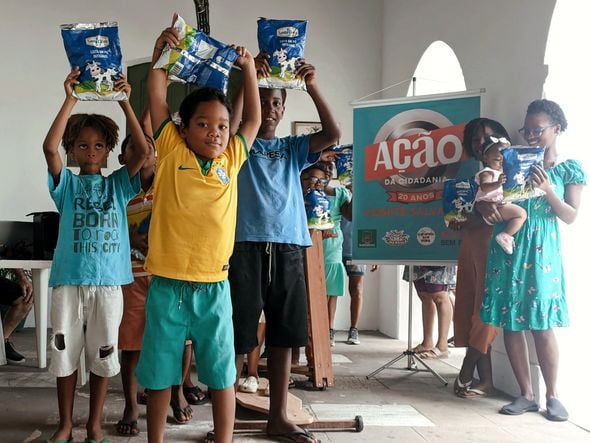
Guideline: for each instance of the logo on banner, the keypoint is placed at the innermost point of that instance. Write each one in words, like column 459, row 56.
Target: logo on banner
column 425, row 236
column 413, row 154
column 396, row 237
column 367, row 238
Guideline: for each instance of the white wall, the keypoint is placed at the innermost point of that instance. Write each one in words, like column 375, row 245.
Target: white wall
column 345, row 47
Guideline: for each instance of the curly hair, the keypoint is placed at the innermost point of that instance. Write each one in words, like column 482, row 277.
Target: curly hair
column 320, row 166
column 101, row 123
column 480, row 123
column 190, row 103
column 552, row 109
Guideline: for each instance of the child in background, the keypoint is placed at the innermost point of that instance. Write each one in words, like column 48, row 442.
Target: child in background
column 91, row 261
column 318, row 176
column 490, row 180
column 192, row 233
column 139, row 211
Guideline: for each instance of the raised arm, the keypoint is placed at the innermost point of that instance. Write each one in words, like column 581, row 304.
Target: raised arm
column 139, row 147
column 251, row 113
column 56, row 131
column 157, row 80
column 330, row 133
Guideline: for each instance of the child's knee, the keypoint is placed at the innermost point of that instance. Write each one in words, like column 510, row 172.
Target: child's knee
column 59, row 341
column 105, row 351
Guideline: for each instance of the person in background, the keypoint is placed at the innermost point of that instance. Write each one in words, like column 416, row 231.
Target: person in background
column 469, row 330
column 433, row 285
column 18, row 296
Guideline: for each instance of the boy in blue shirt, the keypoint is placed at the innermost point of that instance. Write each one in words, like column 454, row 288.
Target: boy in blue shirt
column 91, row 259
column 266, row 268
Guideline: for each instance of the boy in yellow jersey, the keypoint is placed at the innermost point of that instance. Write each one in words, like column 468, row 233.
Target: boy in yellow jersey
column 192, row 233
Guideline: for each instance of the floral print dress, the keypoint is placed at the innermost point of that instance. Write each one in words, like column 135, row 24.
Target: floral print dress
column 526, row 290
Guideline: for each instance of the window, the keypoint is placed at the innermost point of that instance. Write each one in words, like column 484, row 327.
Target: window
column 438, row 71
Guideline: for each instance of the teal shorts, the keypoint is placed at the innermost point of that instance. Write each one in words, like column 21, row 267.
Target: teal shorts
column 177, row 310
column 335, row 279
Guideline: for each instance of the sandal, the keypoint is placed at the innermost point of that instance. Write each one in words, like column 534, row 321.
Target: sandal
column 434, row 353
column 127, row 427
column 182, row 415
column 194, row 395
column 142, row 397
column 461, row 388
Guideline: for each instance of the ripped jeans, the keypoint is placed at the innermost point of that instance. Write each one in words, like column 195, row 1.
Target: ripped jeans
column 85, row 317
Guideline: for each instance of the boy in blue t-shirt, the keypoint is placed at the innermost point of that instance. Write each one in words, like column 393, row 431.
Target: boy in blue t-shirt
column 91, row 259
column 266, row 269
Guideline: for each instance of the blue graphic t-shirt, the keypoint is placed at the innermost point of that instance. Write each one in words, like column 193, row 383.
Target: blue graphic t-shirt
column 93, row 243
column 270, row 202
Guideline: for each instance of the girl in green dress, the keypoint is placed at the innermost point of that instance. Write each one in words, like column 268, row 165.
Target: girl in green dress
column 526, row 291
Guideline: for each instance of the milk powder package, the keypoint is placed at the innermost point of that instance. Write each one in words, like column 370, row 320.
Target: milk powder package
column 284, row 42
column 317, row 208
column 95, row 49
column 517, row 164
column 198, row 59
column 344, row 163
column 458, row 198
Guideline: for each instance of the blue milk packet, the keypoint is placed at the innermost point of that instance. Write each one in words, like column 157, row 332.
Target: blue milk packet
column 517, row 164
column 95, row 48
column 199, row 59
column 458, row 199
column 284, row 41
column 317, row 208
column 344, row 163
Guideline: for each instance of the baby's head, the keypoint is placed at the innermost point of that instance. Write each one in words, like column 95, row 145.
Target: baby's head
column 205, row 122
column 490, row 151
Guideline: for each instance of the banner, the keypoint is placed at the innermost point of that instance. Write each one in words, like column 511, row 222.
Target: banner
column 404, row 150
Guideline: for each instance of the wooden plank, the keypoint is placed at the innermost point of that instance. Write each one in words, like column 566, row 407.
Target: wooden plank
column 320, row 353
column 260, row 402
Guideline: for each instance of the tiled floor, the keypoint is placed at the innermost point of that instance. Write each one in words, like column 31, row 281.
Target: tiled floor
column 397, row 405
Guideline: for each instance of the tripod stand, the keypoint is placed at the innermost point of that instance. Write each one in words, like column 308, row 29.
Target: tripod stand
column 413, row 358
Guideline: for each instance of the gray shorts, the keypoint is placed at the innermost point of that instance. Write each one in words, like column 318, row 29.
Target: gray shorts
column 353, row 270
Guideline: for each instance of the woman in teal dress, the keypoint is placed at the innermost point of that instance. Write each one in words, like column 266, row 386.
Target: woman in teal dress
column 526, row 291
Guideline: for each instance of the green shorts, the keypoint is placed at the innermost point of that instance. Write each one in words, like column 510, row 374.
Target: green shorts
column 177, row 310
column 335, row 279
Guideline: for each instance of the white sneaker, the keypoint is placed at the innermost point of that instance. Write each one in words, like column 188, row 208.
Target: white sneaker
column 506, row 242
column 250, row 385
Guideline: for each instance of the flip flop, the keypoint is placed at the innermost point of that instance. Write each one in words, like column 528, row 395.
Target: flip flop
column 127, row 427
column 294, row 436
column 460, row 388
column 90, row 440
column 434, row 353
column 418, row 349
column 194, row 395
column 182, row 415
column 142, row 397
column 291, row 383
column 473, row 393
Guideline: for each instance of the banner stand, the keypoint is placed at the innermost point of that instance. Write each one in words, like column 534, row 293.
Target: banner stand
column 409, row 353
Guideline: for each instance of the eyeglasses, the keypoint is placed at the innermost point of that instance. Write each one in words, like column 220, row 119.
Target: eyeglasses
column 315, row 180
column 535, row 132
